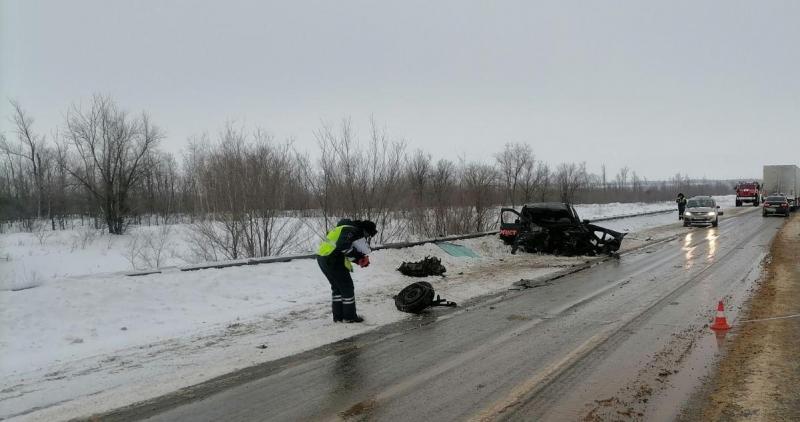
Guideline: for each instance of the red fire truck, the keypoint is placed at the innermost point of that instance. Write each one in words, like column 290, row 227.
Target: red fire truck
column 748, row 192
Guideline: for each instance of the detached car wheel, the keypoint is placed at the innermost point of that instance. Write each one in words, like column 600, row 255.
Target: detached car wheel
column 415, row 297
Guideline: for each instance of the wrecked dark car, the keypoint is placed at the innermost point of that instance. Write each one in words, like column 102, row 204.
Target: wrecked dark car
column 555, row 228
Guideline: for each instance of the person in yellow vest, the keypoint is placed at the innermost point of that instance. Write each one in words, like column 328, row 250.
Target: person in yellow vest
column 348, row 242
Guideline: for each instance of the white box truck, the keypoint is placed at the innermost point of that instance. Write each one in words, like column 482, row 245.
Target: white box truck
column 782, row 179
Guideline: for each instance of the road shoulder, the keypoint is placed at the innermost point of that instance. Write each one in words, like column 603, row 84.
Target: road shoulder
column 757, row 378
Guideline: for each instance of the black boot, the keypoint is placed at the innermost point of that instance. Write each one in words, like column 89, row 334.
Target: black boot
column 349, row 313
column 355, row 319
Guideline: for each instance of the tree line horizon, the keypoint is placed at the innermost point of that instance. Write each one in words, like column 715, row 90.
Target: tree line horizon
column 104, row 163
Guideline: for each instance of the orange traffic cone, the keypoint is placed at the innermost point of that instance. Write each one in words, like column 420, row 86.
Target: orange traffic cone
column 720, row 323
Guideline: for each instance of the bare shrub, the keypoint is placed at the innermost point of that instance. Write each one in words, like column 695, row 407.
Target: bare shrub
column 245, row 181
column 157, row 246
column 217, row 238
column 83, row 237
column 5, row 256
column 148, row 249
column 205, row 242
column 278, row 236
column 41, row 232
column 134, row 250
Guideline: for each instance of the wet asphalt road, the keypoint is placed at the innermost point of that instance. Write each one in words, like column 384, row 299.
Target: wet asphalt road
column 545, row 353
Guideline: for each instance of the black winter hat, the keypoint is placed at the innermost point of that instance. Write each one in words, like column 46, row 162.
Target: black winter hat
column 368, row 226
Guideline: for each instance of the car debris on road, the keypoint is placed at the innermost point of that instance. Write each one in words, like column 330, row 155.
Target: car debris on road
column 428, row 266
column 417, row 297
column 555, row 228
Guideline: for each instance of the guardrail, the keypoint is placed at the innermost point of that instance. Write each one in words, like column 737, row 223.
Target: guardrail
column 397, row 245
column 272, row 259
column 641, row 214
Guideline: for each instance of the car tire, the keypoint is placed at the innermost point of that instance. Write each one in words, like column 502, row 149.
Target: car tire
column 415, row 297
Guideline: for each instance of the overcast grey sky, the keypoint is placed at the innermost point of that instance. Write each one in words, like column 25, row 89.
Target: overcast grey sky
column 706, row 88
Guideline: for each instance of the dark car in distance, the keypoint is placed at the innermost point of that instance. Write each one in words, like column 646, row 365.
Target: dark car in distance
column 776, row 204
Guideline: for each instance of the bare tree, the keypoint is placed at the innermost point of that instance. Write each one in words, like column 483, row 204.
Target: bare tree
column 418, row 178
column 245, row 181
column 272, row 175
column 603, row 180
column 636, row 182
column 31, row 148
column 570, row 177
column 478, row 181
column 418, row 173
column 535, row 179
column 513, row 161
column 443, row 184
column 385, row 162
column 360, row 181
column 107, row 150
column 157, row 193
column 622, row 178
column 544, row 178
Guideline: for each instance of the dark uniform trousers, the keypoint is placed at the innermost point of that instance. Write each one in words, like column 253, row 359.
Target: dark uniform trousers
column 343, row 301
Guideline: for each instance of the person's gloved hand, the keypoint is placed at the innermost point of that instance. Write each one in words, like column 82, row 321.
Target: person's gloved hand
column 363, row 262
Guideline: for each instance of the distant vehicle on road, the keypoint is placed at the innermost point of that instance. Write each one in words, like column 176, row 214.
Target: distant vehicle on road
column 701, row 210
column 783, row 180
column 748, row 192
column 777, row 204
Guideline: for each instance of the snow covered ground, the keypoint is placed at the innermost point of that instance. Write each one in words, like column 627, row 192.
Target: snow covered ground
column 73, row 345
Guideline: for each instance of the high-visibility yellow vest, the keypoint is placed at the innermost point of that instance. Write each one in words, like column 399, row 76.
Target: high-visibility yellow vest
column 329, row 245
